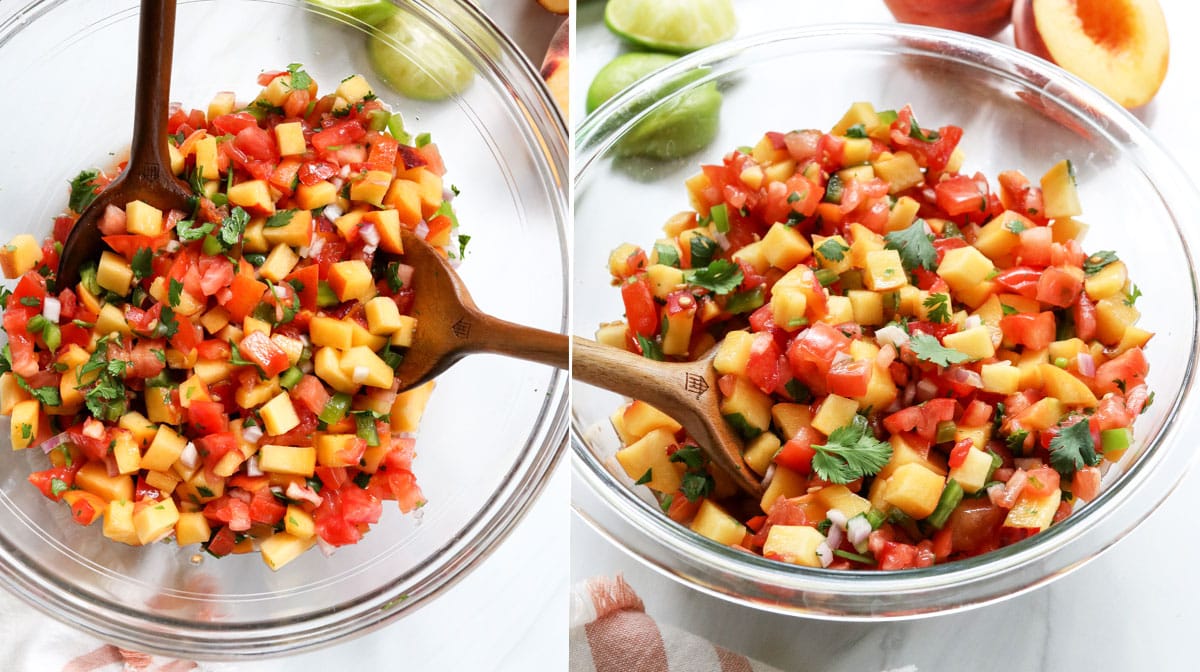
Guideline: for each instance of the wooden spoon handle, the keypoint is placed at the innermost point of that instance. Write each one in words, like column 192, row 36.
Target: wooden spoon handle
column 489, row 334
column 148, row 158
column 659, row 384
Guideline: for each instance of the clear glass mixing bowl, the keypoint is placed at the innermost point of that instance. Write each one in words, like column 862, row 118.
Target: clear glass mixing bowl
column 1017, row 112
column 494, row 428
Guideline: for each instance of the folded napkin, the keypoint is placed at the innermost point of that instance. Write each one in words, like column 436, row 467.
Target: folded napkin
column 33, row 642
column 610, row 632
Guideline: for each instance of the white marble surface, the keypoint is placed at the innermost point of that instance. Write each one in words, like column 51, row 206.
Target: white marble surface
column 1131, row 609
column 510, row 612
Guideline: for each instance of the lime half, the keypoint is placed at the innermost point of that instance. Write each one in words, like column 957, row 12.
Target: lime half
column 671, row 25
column 373, row 12
column 620, row 73
column 416, row 61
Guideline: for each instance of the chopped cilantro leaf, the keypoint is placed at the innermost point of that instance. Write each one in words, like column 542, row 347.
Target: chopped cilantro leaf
column 1073, row 448
column 1008, row 310
column 851, row 453
column 48, row 395
column 690, row 456
column 833, row 249
column 141, row 263
column 857, row 131
column 279, row 219
column 1132, row 297
column 939, row 307
column 703, row 248
column 649, row 348
column 1015, row 225
column 928, row 348
column 668, row 255
column 914, row 245
column 233, row 226
column 83, row 190
column 174, row 290
column 719, row 277
column 300, row 78
column 646, row 477
column 1093, row 264
column 188, row 231
column 696, row 485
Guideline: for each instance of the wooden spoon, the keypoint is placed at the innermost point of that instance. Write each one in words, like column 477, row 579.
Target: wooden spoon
column 148, row 176
column 450, row 326
column 686, row 391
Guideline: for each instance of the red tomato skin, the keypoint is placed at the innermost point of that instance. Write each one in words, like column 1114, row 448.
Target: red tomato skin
column 640, row 309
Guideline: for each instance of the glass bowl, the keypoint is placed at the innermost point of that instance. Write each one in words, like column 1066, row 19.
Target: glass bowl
column 1017, row 111
column 505, row 147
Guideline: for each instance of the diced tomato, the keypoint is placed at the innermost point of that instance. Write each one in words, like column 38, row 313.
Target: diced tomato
column 433, row 158
column 92, row 437
column 208, row 417
column 216, row 273
column 187, row 335
column 312, row 172
column 231, row 511
column 214, row 349
column 311, row 393
column 763, row 367
column 1084, row 315
column 922, row 419
column 1041, row 482
column 1035, row 332
column 1017, row 194
column 817, row 345
column 1059, row 286
column 797, row 453
column 1085, row 485
column 215, row 446
column 382, row 155
column 45, row 480
column 977, row 414
column 232, row 124
column 640, row 309
column 86, row 508
column 849, row 378
column 257, row 347
column 960, row 195
column 222, row 542
column 338, row 135
column 1123, row 372
column 1036, row 247
column 246, row 294
column 896, row 555
column 305, row 281
column 958, row 454
column 265, row 508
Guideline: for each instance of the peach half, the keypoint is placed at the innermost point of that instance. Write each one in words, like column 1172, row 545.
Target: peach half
column 978, row 17
column 1118, row 46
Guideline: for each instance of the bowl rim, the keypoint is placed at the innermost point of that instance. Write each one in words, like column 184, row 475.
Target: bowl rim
column 478, row 536
column 875, row 595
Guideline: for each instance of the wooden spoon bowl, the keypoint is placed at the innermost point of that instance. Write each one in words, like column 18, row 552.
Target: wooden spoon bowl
column 686, row 391
column 148, row 176
column 450, row 326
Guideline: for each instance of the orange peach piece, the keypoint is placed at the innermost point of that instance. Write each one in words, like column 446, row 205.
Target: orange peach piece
column 1119, row 46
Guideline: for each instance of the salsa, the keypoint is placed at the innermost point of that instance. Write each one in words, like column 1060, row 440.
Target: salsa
column 924, row 365
column 224, row 375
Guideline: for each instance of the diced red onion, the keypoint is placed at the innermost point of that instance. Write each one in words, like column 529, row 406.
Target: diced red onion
column 110, row 464
column 299, row 492
column 360, row 375
column 317, row 245
column 302, row 251
column 720, row 238
column 996, row 493
column 769, row 476
column 190, row 457
column 93, row 428
column 1087, row 364
column 910, row 393
column 306, row 366
column 964, row 377
column 327, row 549
column 404, row 273
column 54, row 442
column 926, row 389
column 447, row 194
column 996, row 334
column 1027, row 463
column 891, row 334
column 252, row 468
column 172, row 246
column 824, row 554
column 332, row 212
column 239, row 494
column 252, row 434
column 369, row 234
column 1135, row 401
column 345, row 172
column 51, row 309
column 887, row 355
column 836, row 517
column 971, row 322
column 422, row 229
column 835, row 536
column 858, row 529
column 280, row 292
column 841, row 357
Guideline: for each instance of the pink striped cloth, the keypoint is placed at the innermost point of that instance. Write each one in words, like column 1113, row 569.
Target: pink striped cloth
column 33, row 642
column 611, row 632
